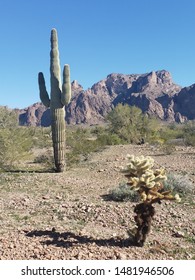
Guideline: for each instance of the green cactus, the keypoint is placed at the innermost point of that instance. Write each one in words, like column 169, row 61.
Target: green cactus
column 60, row 97
column 148, row 182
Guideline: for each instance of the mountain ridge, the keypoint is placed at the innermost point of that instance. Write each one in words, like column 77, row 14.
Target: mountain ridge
column 154, row 93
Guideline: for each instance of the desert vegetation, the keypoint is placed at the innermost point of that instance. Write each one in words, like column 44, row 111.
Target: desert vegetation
column 71, row 215
column 125, row 125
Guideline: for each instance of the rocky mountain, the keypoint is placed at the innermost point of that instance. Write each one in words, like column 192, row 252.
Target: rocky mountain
column 155, row 93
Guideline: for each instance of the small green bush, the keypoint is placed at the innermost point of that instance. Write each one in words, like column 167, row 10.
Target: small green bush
column 170, row 132
column 8, row 118
column 15, row 142
column 179, row 184
column 128, row 122
column 41, row 137
column 189, row 133
column 79, row 145
column 15, row 145
column 109, row 139
column 46, row 159
column 168, row 149
column 122, row 193
column 133, row 126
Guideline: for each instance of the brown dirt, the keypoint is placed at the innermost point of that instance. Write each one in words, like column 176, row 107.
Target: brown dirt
column 64, row 216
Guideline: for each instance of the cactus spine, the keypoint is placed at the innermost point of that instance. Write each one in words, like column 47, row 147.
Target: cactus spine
column 60, row 97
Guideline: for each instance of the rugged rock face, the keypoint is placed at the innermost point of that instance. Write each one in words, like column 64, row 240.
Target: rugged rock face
column 35, row 115
column 184, row 104
column 155, row 93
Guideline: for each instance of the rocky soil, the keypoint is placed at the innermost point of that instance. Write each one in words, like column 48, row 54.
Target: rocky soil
column 65, row 216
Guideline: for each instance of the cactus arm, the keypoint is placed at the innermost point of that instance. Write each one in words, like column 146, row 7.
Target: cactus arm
column 66, row 86
column 58, row 99
column 42, row 90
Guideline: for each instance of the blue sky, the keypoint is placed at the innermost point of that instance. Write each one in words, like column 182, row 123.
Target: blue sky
column 96, row 38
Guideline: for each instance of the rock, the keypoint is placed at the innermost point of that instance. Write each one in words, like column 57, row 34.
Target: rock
column 120, row 256
column 184, row 102
column 45, row 197
column 58, row 197
column 154, row 92
column 178, row 234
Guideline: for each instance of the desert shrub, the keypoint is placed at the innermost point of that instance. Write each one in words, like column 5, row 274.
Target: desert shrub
column 15, row 141
column 105, row 137
column 109, row 139
column 98, row 130
column 78, row 140
column 178, row 133
column 170, row 132
column 189, row 133
column 179, row 184
column 153, row 131
column 44, row 158
column 8, row 118
column 79, row 145
column 81, row 142
column 129, row 123
column 122, row 193
column 190, row 140
column 41, row 137
column 15, row 145
column 168, row 148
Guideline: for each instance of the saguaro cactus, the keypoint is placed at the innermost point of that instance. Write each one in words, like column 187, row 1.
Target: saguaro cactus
column 60, row 97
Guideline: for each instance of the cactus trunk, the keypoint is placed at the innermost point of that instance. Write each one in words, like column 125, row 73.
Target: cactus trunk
column 60, row 96
column 58, row 138
column 145, row 213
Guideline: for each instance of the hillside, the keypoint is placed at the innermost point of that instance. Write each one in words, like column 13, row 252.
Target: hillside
column 155, row 93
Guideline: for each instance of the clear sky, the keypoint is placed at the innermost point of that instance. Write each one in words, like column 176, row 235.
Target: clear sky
column 96, row 38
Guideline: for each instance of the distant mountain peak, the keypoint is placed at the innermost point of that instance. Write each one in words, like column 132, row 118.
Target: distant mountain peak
column 154, row 92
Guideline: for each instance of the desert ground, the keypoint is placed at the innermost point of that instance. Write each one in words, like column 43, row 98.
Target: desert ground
column 51, row 216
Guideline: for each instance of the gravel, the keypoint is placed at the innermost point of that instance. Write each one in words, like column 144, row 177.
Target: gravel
column 64, row 216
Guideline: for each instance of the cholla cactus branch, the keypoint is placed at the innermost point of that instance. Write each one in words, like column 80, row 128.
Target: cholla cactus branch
column 148, row 182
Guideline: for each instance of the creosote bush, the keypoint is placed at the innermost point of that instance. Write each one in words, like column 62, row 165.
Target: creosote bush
column 122, row 193
column 148, row 183
column 179, row 183
column 8, row 118
column 189, row 133
column 81, row 142
column 79, row 145
column 129, row 123
column 41, row 137
column 15, row 145
column 15, row 142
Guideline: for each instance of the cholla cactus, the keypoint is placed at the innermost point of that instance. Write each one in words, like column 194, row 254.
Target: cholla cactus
column 148, row 182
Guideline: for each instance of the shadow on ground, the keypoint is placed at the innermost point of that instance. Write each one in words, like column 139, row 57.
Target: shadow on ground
column 69, row 239
column 30, row 171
